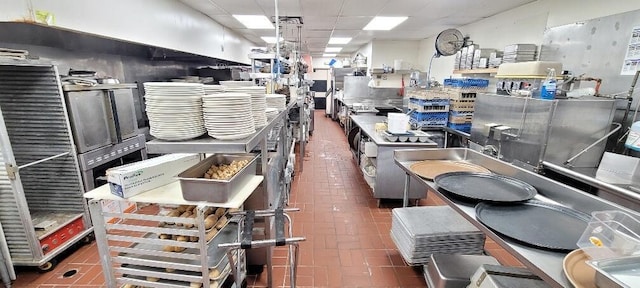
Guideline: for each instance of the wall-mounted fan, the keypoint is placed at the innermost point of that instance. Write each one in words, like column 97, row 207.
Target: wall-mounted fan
column 448, row 43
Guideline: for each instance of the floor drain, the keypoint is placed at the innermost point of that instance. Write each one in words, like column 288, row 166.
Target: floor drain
column 69, row 273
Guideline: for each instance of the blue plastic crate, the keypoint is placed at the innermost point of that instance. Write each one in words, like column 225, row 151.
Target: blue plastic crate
column 460, row 127
column 466, row 82
column 430, row 118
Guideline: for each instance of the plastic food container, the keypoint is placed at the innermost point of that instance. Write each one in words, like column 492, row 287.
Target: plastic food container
column 197, row 188
column 611, row 234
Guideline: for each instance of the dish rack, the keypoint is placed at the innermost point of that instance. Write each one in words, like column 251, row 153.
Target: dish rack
column 43, row 211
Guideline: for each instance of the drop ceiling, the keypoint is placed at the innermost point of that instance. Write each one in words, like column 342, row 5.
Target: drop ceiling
column 346, row 18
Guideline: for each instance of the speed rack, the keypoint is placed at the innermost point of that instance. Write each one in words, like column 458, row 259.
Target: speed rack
column 245, row 236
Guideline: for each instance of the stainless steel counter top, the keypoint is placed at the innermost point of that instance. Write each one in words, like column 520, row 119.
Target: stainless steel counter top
column 544, row 263
column 367, row 124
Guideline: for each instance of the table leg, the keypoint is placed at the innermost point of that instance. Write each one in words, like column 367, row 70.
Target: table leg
column 405, row 196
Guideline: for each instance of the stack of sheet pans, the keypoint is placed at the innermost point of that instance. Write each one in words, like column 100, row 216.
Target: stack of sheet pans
column 519, row 53
column 419, row 232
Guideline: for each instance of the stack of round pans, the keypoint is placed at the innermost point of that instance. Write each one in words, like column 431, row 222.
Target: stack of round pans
column 228, row 116
column 536, row 223
column 174, row 110
column 258, row 103
column 475, row 186
column 430, row 169
column 277, row 101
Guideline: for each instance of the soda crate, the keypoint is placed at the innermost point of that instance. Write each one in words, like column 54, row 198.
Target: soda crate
column 460, row 119
column 430, row 119
column 460, row 127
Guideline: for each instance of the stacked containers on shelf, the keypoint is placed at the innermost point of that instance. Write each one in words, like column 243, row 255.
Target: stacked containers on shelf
column 432, row 108
column 462, row 96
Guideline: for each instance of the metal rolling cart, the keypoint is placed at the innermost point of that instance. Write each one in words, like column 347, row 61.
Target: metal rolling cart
column 141, row 255
column 133, row 252
column 42, row 209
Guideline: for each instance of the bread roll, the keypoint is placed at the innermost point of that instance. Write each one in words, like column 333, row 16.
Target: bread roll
column 214, row 273
column 152, row 279
column 193, row 238
column 167, row 249
column 181, row 238
column 195, row 285
column 170, row 270
column 210, row 221
column 223, row 221
column 214, row 284
column 190, row 225
column 220, row 211
column 182, row 208
column 211, row 233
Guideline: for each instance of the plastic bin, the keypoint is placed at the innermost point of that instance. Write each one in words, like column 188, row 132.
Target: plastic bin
column 611, row 234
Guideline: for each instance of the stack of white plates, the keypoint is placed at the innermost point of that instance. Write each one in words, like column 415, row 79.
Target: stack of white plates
column 228, row 116
column 212, row 89
column 258, row 103
column 237, row 83
column 174, row 110
column 277, row 101
column 271, row 113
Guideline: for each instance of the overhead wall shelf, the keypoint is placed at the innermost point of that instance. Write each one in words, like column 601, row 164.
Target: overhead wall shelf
column 262, row 56
column 476, row 71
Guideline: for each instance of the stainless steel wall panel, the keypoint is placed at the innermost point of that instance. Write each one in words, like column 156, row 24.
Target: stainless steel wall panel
column 576, row 125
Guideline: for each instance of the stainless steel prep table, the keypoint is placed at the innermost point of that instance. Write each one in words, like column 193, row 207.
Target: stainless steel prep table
column 389, row 180
column 546, row 264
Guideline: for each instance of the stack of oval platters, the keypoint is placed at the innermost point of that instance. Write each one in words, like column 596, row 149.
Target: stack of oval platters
column 277, row 101
column 228, row 116
column 174, row 110
column 237, row 83
column 258, row 103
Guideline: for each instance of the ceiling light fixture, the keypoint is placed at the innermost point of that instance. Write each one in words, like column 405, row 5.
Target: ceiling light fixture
column 255, row 21
column 339, row 40
column 329, row 55
column 270, row 39
column 384, row 23
column 332, row 49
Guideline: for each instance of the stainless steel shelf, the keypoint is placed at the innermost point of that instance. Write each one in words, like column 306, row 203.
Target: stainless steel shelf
column 69, row 87
column 207, row 144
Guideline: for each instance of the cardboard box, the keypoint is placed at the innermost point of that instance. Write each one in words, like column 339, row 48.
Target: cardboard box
column 132, row 179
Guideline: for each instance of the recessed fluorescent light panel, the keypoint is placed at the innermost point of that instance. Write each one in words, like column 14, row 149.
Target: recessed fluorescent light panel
column 270, row 39
column 329, row 55
column 255, row 21
column 332, row 49
column 384, row 23
column 339, row 40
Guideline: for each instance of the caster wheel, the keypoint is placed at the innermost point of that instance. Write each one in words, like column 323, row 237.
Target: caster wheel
column 46, row 267
column 88, row 239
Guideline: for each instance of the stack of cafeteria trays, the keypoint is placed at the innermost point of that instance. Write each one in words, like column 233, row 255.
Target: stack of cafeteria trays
column 419, row 232
column 519, row 53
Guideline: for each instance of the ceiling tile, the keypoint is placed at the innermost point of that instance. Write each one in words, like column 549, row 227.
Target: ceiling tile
column 352, row 22
column 324, row 33
column 346, row 33
column 364, row 8
column 405, row 8
column 285, row 7
column 239, row 7
column 321, row 7
column 319, row 22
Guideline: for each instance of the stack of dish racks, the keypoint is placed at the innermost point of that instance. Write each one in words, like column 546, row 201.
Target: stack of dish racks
column 449, row 106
